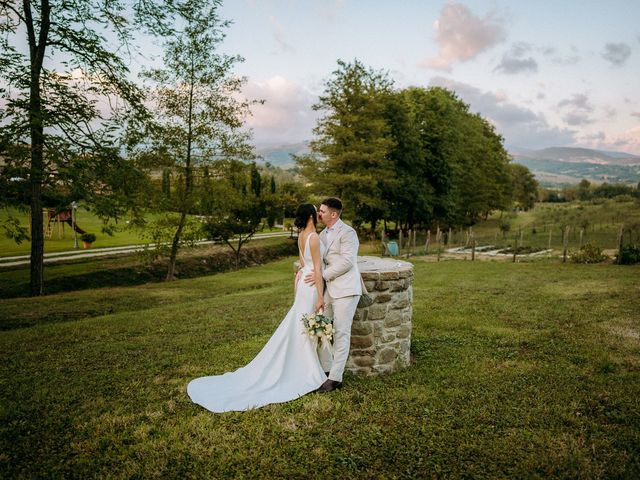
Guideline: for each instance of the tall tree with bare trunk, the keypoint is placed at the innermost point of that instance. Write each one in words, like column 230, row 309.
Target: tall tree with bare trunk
column 198, row 107
column 66, row 99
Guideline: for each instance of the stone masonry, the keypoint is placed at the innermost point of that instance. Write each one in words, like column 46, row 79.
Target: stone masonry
column 381, row 332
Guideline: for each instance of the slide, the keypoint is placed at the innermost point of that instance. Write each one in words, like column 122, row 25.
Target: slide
column 66, row 217
column 75, row 227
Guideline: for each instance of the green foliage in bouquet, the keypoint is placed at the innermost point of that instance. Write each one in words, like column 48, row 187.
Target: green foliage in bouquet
column 318, row 327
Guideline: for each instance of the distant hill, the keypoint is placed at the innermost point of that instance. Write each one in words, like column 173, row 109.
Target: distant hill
column 280, row 155
column 567, row 165
column 583, row 155
column 552, row 166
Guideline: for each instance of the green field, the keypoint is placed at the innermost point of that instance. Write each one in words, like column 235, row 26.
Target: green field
column 542, row 227
column 519, row 370
column 61, row 239
column 539, row 227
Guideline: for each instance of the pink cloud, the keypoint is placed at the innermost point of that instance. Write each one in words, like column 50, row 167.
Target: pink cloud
column 461, row 36
column 627, row 141
column 285, row 115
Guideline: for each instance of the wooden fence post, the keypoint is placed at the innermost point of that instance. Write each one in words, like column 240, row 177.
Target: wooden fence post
column 580, row 242
column 565, row 241
column 473, row 246
column 620, row 244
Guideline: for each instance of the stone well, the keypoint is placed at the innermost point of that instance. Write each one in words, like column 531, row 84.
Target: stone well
column 381, row 332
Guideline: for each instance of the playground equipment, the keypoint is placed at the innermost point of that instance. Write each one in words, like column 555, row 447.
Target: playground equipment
column 59, row 219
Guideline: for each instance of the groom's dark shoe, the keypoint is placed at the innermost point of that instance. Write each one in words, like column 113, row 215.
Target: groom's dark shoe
column 329, row 386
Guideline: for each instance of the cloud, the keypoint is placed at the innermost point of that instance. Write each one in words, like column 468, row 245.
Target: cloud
column 577, row 118
column 594, row 137
column 328, row 10
column 280, row 36
column 558, row 58
column 577, row 110
column 514, row 61
column 616, row 53
column 461, row 36
column 518, row 125
column 579, row 101
column 627, row 141
column 286, row 115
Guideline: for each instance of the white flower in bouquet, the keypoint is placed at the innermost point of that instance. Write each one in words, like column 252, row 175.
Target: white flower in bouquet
column 318, row 326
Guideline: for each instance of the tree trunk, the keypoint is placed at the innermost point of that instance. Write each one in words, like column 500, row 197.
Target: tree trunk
column 184, row 204
column 174, row 247
column 36, row 172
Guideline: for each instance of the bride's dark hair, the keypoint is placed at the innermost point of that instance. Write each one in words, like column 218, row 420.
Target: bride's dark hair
column 303, row 213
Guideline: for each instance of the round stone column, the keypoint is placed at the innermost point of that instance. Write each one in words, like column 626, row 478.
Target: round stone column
column 381, row 331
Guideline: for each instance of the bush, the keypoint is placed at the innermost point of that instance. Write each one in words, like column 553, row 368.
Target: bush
column 624, row 198
column 88, row 237
column 630, row 255
column 588, row 253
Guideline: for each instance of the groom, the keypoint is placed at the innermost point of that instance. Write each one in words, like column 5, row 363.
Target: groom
column 343, row 287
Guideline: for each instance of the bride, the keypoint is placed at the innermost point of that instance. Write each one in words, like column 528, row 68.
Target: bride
column 287, row 367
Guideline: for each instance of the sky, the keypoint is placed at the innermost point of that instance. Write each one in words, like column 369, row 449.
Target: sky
column 544, row 72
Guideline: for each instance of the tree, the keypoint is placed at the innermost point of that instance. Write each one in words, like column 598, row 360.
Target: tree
column 584, row 190
column 198, row 116
column 611, row 190
column 353, row 140
column 58, row 142
column 410, row 198
column 525, row 186
column 451, row 165
column 437, row 119
column 239, row 211
column 256, row 180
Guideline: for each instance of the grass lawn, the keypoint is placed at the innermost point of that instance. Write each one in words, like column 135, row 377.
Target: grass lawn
column 600, row 223
column 87, row 221
column 520, row 370
column 129, row 269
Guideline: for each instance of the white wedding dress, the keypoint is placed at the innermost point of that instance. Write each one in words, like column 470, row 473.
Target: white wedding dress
column 286, row 368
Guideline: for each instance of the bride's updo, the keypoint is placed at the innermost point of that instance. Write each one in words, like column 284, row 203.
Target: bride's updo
column 303, row 213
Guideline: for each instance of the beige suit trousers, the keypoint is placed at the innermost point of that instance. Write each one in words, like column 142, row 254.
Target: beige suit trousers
column 342, row 311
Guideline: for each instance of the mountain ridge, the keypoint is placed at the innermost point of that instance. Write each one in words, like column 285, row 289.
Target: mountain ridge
column 552, row 166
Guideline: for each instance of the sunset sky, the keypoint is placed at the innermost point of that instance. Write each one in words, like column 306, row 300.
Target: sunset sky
column 545, row 72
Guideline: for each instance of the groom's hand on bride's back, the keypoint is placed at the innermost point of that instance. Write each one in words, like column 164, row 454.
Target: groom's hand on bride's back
column 310, row 278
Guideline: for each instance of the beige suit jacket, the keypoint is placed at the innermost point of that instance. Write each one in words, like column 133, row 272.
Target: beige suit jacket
column 341, row 261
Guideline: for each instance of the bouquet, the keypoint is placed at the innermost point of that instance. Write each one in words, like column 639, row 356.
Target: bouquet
column 318, row 327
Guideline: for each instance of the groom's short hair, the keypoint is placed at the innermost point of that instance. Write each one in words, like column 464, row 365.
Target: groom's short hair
column 333, row 203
